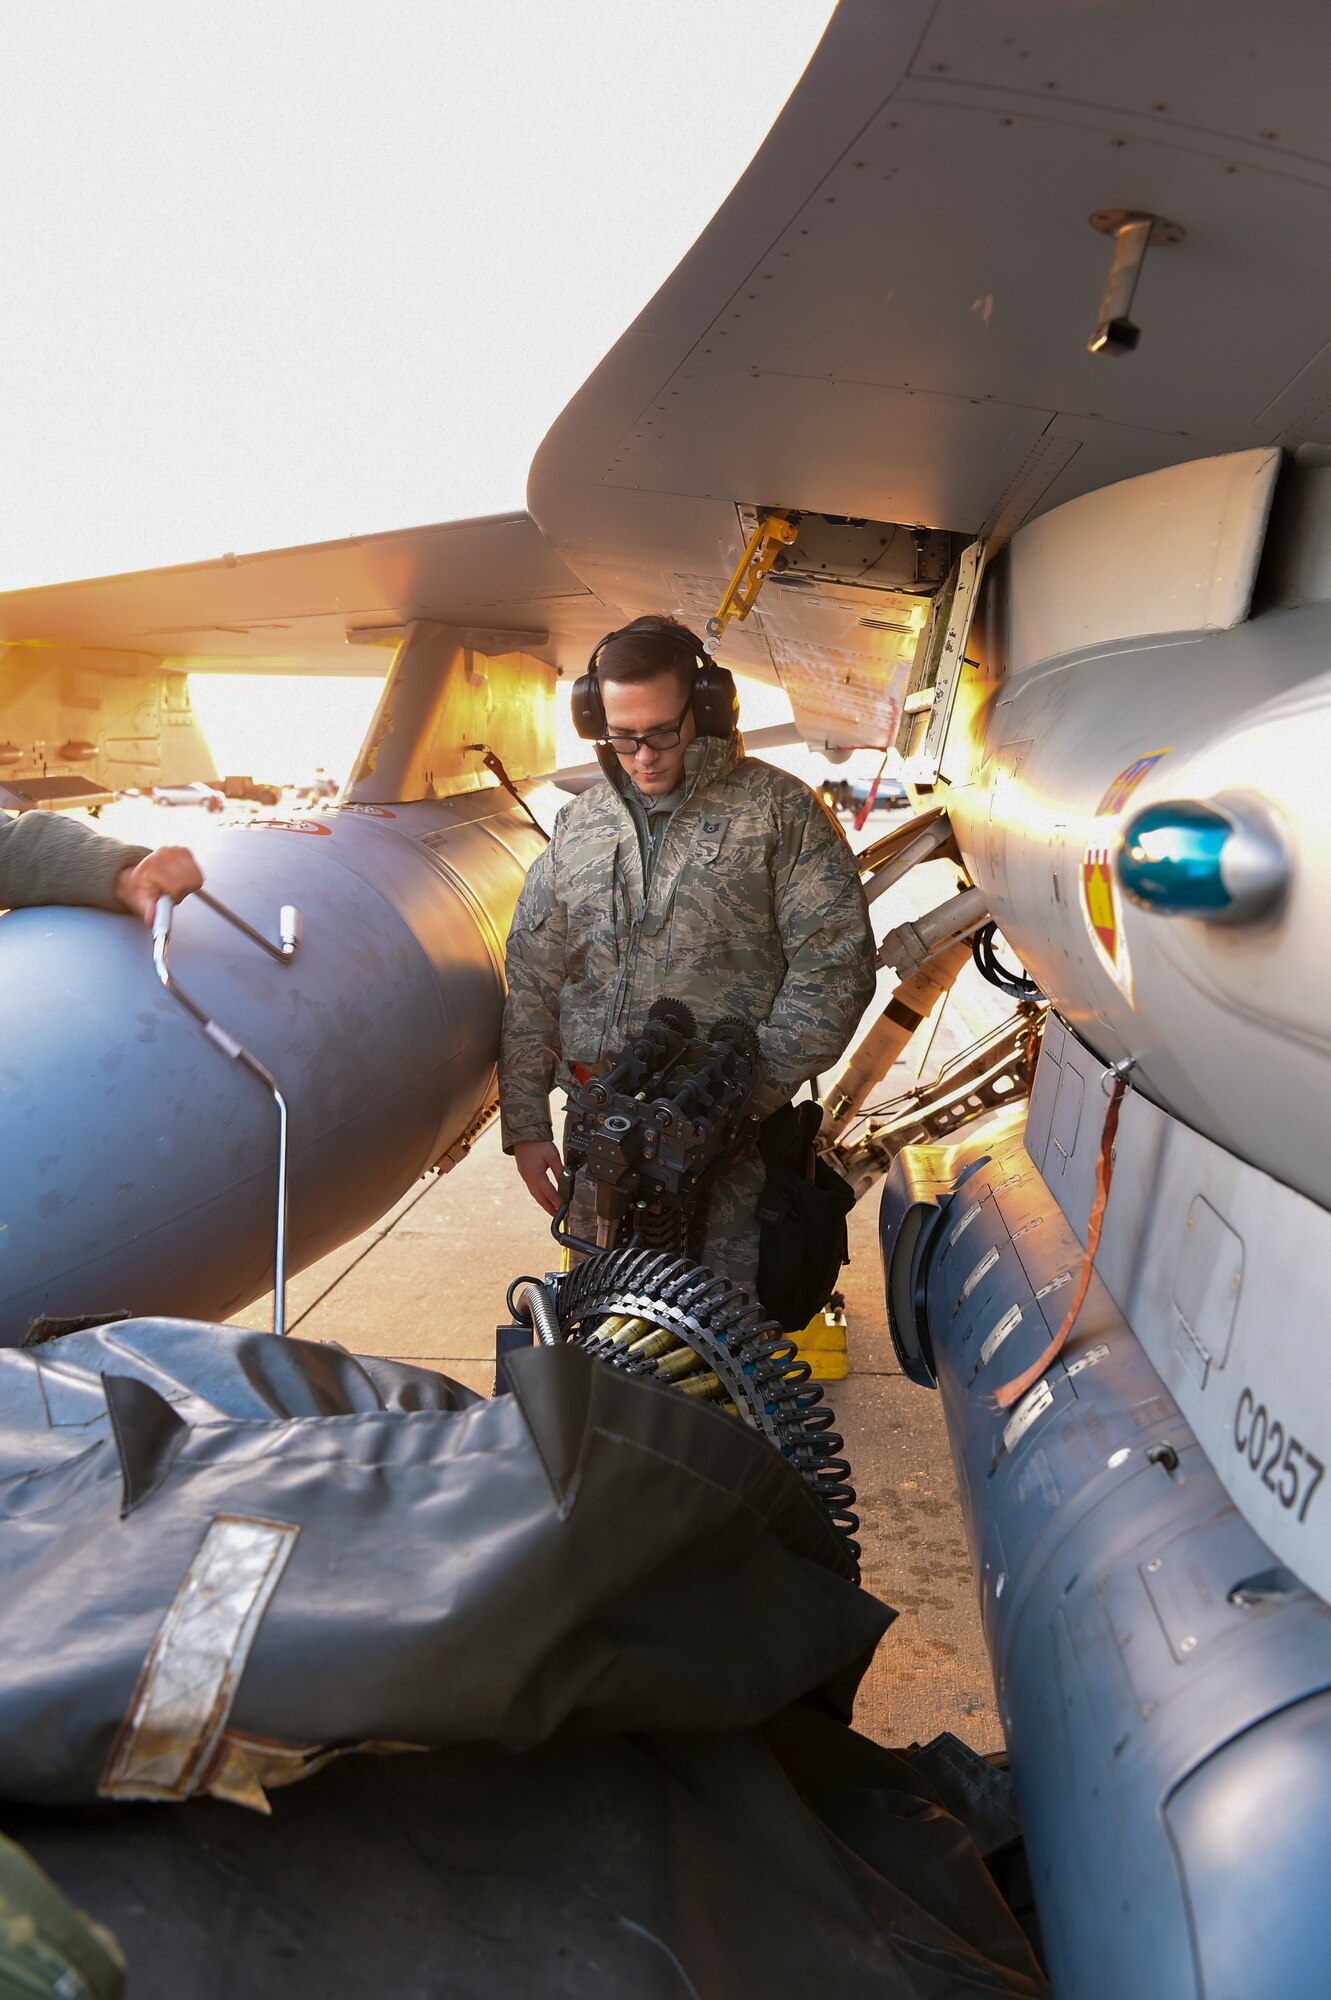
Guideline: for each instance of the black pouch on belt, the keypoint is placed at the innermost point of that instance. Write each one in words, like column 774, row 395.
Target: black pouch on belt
column 802, row 1218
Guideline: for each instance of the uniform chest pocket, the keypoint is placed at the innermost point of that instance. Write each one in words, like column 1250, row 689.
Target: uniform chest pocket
column 726, row 881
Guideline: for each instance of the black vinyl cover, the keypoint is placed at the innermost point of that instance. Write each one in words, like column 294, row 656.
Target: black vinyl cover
column 636, row 1591
column 589, row 1549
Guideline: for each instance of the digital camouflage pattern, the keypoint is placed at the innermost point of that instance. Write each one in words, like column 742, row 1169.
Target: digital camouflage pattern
column 755, row 909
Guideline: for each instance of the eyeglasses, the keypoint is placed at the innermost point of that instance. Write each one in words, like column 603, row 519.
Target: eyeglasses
column 664, row 738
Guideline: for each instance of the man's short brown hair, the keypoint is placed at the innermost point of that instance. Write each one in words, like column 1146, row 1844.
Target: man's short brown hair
column 648, row 648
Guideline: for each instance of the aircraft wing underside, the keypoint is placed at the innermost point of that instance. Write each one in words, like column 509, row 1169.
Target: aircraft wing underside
column 889, row 318
column 95, row 689
column 296, row 610
column 884, row 330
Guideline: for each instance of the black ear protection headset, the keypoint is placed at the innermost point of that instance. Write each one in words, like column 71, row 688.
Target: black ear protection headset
column 715, row 701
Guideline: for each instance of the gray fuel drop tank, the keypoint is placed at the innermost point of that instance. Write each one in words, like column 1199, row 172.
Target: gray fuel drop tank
column 138, row 1165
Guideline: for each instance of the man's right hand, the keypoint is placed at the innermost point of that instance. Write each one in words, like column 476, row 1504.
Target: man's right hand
column 538, row 1161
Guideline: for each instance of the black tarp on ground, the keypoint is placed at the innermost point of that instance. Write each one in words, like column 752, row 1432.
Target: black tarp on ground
column 588, row 1557
column 787, row 1862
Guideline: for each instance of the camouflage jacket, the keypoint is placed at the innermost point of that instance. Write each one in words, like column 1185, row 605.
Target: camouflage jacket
column 755, row 908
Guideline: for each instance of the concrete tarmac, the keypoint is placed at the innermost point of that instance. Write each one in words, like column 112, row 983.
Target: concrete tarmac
column 427, row 1282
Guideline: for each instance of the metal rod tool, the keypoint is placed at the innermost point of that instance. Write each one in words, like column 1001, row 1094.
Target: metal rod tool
column 289, row 932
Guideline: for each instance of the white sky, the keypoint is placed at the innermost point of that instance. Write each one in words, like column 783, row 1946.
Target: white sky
column 279, row 272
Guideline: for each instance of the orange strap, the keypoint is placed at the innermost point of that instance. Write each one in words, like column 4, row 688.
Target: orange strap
column 871, row 794
column 1012, row 1391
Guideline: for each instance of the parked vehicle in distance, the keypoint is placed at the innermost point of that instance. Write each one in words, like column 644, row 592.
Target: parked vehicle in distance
column 843, row 796
column 245, row 788
column 196, row 793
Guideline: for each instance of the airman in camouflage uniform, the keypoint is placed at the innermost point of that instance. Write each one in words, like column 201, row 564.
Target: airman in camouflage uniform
column 736, row 893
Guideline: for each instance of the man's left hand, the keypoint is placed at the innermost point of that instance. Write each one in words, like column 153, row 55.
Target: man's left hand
column 167, row 871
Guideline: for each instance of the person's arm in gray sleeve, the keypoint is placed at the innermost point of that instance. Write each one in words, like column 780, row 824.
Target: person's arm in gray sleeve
column 46, row 859
column 823, row 920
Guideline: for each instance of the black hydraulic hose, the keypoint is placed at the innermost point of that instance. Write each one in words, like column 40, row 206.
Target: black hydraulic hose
column 987, row 961
column 564, row 1237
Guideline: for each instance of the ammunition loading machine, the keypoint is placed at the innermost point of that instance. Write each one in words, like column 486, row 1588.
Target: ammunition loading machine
column 650, row 1133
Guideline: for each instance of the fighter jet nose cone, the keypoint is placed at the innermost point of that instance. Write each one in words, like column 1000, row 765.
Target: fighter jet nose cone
column 1181, row 858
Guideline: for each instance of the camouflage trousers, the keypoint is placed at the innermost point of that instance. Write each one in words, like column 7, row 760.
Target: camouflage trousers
column 730, row 1240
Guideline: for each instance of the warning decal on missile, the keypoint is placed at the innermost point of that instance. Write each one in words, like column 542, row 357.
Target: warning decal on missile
column 1125, row 784
column 1101, row 904
column 288, row 825
column 1103, row 910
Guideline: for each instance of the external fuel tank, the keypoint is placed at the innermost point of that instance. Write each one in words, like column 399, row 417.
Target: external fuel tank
column 139, row 1164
